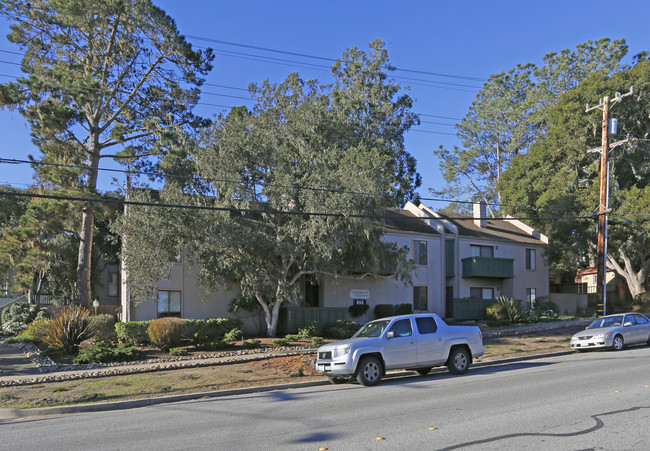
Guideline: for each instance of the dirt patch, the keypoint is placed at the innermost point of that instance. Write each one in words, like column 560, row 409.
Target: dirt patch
column 556, row 340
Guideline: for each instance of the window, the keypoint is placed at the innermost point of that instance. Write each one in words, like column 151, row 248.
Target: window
column 113, row 283
column 481, row 293
column 4, row 291
column 426, row 325
column 641, row 319
column 420, row 252
column 531, row 259
column 420, row 296
column 402, row 328
column 169, row 303
column 481, row 251
column 531, row 294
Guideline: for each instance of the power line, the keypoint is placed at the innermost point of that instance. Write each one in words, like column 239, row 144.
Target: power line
column 109, row 200
column 322, row 58
column 332, row 190
column 15, row 77
column 248, row 56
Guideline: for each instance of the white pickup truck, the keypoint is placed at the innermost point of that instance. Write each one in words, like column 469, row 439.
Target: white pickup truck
column 418, row 342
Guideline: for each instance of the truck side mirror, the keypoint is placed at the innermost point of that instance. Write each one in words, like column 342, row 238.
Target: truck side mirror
column 390, row 335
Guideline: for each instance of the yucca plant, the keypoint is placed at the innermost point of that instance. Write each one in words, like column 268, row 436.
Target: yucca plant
column 68, row 329
column 511, row 308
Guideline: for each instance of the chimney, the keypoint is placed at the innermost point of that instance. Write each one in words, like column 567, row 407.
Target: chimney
column 480, row 215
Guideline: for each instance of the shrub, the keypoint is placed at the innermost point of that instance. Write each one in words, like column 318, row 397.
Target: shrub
column 403, row 309
column 202, row 332
column 68, row 329
column 251, row 344
column 511, row 308
column 531, row 317
column 281, row 342
column 316, row 341
column 177, row 351
column 292, row 337
column 310, row 329
column 103, row 327
column 495, row 312
column 19, row 315
column 102, row 352
column 356, row 310
column 384, row 310
column 233, row 335
column 166, row 333
column 548, row 308
column 341, row 329
column 133, row 332
column 20, row 338
column 34, row 332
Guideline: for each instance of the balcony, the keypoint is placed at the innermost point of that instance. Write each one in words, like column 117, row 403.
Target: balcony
column 488, row 267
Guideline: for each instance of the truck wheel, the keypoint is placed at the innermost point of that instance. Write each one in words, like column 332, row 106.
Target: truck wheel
column 458, row 362
column 423, row 371
column 336, row 380
column 618, row 343
column 370, row 371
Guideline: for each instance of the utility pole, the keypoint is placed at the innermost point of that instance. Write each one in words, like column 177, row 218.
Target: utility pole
column 603, row 207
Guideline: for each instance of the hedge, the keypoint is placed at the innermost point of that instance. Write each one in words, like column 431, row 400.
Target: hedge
column 199, row 331
column 133, row 332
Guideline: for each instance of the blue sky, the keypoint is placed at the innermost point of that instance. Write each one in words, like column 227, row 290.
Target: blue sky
column 469, row 40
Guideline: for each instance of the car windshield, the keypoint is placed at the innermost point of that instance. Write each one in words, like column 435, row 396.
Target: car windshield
column 606, row 321
column 372, row 329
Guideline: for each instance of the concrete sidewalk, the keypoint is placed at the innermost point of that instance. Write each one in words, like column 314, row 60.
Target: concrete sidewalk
column 14, row 363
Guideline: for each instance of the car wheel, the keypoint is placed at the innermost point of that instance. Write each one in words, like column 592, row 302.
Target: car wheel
column 618, row 343
column 423, row 371
column 458, row 362
column 336, row 380
column 370, row 371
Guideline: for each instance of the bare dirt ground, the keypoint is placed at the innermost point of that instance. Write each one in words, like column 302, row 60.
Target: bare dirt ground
column 271, row 371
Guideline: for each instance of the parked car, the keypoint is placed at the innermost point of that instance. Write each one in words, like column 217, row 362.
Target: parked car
column 613, row 331
column 418, row 342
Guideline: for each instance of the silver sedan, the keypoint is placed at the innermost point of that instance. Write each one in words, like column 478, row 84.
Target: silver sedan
column 613, row 331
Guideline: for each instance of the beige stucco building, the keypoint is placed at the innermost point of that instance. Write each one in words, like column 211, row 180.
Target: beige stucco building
column 454, row 258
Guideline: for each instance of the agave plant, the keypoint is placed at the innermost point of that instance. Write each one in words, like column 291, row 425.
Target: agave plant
column 68, row 329
column 511, row 308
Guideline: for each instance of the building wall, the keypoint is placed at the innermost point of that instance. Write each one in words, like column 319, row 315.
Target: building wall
column 104, row 292
column 512, row 287
column 336, row 291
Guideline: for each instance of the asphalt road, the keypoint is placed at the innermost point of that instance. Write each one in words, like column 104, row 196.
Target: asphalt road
column 597, row 400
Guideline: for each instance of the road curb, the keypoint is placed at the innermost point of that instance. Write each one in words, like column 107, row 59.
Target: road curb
column 14, row 414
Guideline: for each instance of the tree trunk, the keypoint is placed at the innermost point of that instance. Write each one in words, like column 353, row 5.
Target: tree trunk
column 84, row 260
column 635, row 280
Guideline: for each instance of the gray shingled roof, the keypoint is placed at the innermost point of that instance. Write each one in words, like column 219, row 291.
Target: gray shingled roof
column 497, row 230
column 406, row 221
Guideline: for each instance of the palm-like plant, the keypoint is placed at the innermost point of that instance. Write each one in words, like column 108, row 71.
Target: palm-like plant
column 68, row 329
